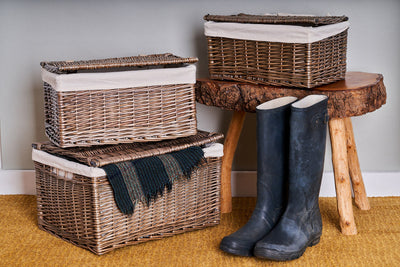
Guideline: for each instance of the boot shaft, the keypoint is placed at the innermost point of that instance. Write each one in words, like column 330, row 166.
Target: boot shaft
column 272, row 135
column 308, row 128
column 272, row 150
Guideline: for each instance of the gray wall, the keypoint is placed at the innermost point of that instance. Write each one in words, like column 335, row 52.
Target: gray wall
column 34, row 31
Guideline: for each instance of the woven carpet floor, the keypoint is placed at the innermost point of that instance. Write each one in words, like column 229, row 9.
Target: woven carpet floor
column 377, row 242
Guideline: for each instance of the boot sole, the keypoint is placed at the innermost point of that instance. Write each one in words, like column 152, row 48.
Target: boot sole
column 281, row 255
column 238, row 251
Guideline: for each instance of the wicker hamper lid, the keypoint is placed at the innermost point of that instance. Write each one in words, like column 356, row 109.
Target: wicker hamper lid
column 97, row 156
column 62, row 67
column 278, row 19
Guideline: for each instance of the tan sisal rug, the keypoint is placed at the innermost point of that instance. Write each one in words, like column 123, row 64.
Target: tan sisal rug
column 377, row 242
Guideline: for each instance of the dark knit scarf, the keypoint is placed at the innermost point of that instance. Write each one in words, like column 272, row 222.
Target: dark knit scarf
column 146, row 178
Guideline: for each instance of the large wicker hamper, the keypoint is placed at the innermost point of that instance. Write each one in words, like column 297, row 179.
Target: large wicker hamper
column 80, row 207
column 281, row 50
column 119, row 100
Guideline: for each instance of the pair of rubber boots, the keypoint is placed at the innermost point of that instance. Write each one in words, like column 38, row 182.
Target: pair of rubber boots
column 291, row 137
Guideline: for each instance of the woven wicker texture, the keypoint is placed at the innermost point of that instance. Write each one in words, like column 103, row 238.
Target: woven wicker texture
column 274, row 63
column 82, row 210
column 281, row 64
column 135, row 61
column 376, row 244
column 276, row 19
column 152, row 113
column 98, row 156
column 121, row 115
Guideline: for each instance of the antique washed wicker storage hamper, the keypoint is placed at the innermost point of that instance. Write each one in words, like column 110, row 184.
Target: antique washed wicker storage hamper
column 81, row 209
column 295, row 51
column 119, row 100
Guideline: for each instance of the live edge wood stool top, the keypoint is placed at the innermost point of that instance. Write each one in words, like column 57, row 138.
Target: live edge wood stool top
column 357, row 94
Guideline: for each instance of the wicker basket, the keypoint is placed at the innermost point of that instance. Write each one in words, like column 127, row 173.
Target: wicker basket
column 125, row 100
column 282, row 63
column 81, row 209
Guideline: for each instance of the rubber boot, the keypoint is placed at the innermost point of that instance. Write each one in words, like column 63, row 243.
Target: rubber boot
column 272, row 157
column 300, row 226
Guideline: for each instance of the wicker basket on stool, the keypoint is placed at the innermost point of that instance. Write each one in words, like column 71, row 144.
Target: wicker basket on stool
column 256, row 49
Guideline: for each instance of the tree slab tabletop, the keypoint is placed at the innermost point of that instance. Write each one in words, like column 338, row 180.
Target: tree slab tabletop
column 357, row 94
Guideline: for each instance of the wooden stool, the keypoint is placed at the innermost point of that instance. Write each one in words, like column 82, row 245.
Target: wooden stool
column 358, row 94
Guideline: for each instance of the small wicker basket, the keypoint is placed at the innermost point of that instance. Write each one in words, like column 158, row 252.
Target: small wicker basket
column 119, row 100
column 282, row 63
column 81, row 209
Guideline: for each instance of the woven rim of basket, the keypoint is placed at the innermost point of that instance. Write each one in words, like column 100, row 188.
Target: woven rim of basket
column 97, row 156
column 278, row 19
column 134, row 61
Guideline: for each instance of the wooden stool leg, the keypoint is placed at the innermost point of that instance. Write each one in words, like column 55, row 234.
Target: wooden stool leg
column 231, row 140
column 360, row 195
column 342, row 179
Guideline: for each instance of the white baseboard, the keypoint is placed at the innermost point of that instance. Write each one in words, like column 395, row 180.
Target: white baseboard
column 376, row 184
column 17, row 182
column 243, row 183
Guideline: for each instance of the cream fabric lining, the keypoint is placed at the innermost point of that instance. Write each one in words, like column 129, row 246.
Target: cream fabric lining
column 273, row 32
column 309, row 101
column 275, row 103
column 120, row 79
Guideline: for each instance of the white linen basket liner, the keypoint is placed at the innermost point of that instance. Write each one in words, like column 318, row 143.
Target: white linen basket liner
column 120, row 79
column 273, row 32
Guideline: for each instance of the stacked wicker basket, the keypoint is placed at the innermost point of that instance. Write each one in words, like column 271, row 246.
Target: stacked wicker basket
column 99, row 112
